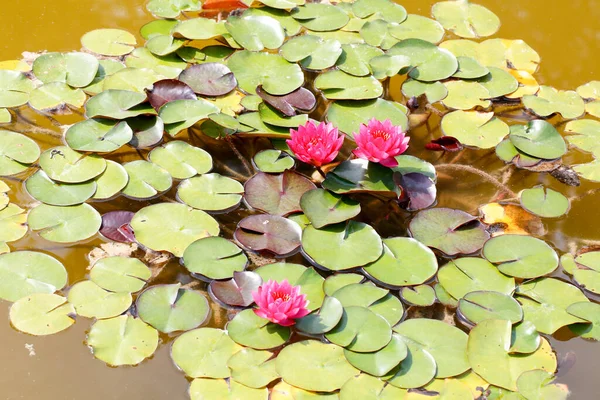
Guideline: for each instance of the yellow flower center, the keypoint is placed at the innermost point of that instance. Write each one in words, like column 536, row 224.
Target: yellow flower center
column 381, row 134
column 279, row 295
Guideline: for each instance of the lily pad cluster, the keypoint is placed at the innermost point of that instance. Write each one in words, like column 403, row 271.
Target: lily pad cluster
column 178, row 152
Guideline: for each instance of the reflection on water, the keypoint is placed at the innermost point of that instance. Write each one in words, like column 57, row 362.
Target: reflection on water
column 61, row 367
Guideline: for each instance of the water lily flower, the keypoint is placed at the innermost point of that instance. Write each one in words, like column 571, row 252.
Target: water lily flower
column 280, row 303
column 315, row 144
column 380, row 142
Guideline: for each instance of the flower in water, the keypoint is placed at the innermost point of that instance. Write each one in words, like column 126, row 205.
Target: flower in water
column 380, row 142
column 280, row 303
column 315, row 144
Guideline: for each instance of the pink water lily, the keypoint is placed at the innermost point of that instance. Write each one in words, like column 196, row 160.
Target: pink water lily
column 380, row 142
column 315, row 144
column 280, row 303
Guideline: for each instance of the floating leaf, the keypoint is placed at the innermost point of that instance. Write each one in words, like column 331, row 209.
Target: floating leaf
column 270, row 116
column 105, row 69
column 445, row 143
column 470, row 274
column 499, row 82
column 539, row 139
column 385, row 9
column 429, row 62
column 338, row 85
column 91, row 301
column 109, row 42
column 466, row 95
column 277, row 194
column 320, row 17
column 164, row 45
column 349, row 115
column 120, row 274
column 590, row 171
column 355, row 58
column 587, row 311
column 272, row 161
column 450, row 231
column 544, row 202
column 55, row 95
column 418, row 191
column 250, row 330
column 5, row 116
column 146, row 180
column 111, row 181
column 474, row 128
column 479, row 306
column 75, row 69
column 209, row 79
column 181, row 160
column 117, row 104
column 65, row 224
column 98, row 135
column 548, row 101
column 301, row 99
column 272, row 233
column 587, row 271
column 158, row 27
column 417, row 369
column 24, row 273
column 168, row 90
column 133, row 80
column 376, row 299
column 172, row 9
column 324, row 319
column 421, row 296
column 380, row 362
column 253, row 368
column 167, row 66
column 409, row 164
column 435, row 91
column 211, row 192
column 65, row 165
column 388, row 66
column 322, row 207
column 14, row 88
column 236, row 291
column 312, row 52
column 470, row 68
column 587, row 133
column 537, row 384
column 115, row 226
column 417, row 27
column 525, row 338
column 214, row 258
column 122, row 340
column 365, row 386
column 16, row 151
column 466, row 19
column 169, row 308
column 42, row 188
column 341, row 246
column 220, row 388
column 521, row 256
column 360, row 175
column 12, row 223
column 41, row 314
column 181, row 114
column 255, row 32
column 377, row 33
column 590, row 92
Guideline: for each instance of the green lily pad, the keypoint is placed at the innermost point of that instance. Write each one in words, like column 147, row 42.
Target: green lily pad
column 539, row 139
column 182, row 160
column 544, row 202
column 214, row 258
column 376, row 299
column 587, row 271
column 172, row 8
column 117, row 104
column 589, row 312
column 4, row 199
column 75, row 69
column 470, row 68
column 377, row 33
column 444, row 297
column 5, row 116
column 255, row 33
column 271, row 71
column 381, row 362
column 14, row 88
column 122, row 340
column 483, row 305
column 65, row 165
column 435, row 91
column 109, row 42
column 289, row 24
column 544, row 308
column 315, row 366
column 181, row 114
column 324, row 319
column 474, row 128
column 16, row 151
column 498, row 82
column 270, row 116
column 421, row 296
column 120, row 274
column 146, row 180
column 323, row 208
column 198, row 29
column 12, row 223
column 147, row 131
column 359, row 175
column 91, row 301
column 416, row 370
column 586, row 134
column 521, row 256
column 55, row 95
column 495, row 364
column 163, row 45
column 253, row 368
column 590, row 93
column 368, row 387
column 169, row 66
column 172, row 227
column 404, row 262
column 111, row 181
column 355, row 58
column 341, row 246
column 204, row 352
column 548, row 101
column 250, row 330
column 320, row 17
column 105, row 69
column 450, row 231
column 335, row 282
column 169, row 308
column 206, row 54
column 338, row 85
column 466, row 95
column 418, row 27
column 65, row 224
column 525, row 338
column 272, row 161
column 41, row 314
column 348, row 115
column 158, row 27
column 222, row 389
column 537, row 385
column 284, row 391
column 446, row 343
column 24, row 273
column 429, row 63
column 465, row 19
column 312, row 52
column 98, row 135
column 388, row 10
column 132, row 80
column 590, row 171
column 277, row 194
column 385, row 66
column 42, row 188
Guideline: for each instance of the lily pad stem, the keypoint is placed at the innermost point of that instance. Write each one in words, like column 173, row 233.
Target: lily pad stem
column 484, row 175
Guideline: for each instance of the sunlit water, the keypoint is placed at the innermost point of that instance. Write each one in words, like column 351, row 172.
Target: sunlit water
column 565, row 34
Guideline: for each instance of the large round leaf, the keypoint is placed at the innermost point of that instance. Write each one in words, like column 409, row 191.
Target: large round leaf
column 111, row 181
column 253, row 368
column 211, row 192
column 429, row 62
column 338, row 85
column 91, row 301
column 466, row 19
column 117, row 104
column 42, row 188
column 385, row 9
column 172, row 9
column 272, row 161
column 209, row 79
column 312, row 52
column 12, row 223
column 324, row 319
column 420, row 296
column 41, row 314
column 204, row 388
column 146, row 180
column 548, row 101
column 250, row 330
column 320, row 17
column 14, row 88
column 16, row 151
column 367, row 387
column 349, row 115
column 272, row 233
column 56, row 95
column 469, row 274
column 237, row 291
column 76, row 69
column 109, row 42
column 544, row 202
column 361, row 330
column 380, row 362
column 474, row 128
column 539, row 139
column 214, row 258
column 417, row 369
column 277, row 194
column 482, row 305
column 64, row 164
column 181, row 159
column 65, row 224
column 255, row 32
column 376, row 299
column 590, row 312
column 322, row 207
column 98, row 135
column 120, row 274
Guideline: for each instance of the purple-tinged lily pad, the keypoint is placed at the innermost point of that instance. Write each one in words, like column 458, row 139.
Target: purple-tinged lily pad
column 277, row 194
column 271, row 233
column 168, row 90
column 209, row 79
column 115, row 226
column 450, row 231
column 236, row 291
column 445, row 143
column 418, row 190
column 300, row 99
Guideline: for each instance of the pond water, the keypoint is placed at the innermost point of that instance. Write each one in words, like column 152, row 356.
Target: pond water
column 565, row 34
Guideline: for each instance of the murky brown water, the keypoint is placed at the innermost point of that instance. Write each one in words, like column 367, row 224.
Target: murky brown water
column 565, row 34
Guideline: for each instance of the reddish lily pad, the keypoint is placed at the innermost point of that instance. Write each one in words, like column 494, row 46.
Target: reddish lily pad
column 115, row 226
column 168, row 90
column 445, row 143
column 209, row 79
column 236, row 291
column 272, row 233
column 277, row 194
column 300, row 99
column 418, row 190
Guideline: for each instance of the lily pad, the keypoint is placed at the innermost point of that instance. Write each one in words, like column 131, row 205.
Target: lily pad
column 590, row 171
column 197, row 29
column 544, row 202
column 277, row 194
column 495, row 364
column 417, row 27
column 75, row 69
column 404, row 262
column 133, row 80
column 349, row 115
column 315, row 366
column 525, row 338
column 320, row 17
column 115, row 226
column 120, row 274
column 338, row 85
column 236, row 291
column 270, row 116
column 41, row 314
column 590, row 93
column 24, row 273
column 214, row 258
column 111, row 181
column 539, row 139
column 181, row 114
column 300, row 99
column 381, row 362
column 469, row 274
column 65, row 224
column 250, row 330
column 355, row 58
column 168, row 90
column 466, row 95
column 273, row 161
column 253, row 368
column 335, row 282
column 204, row 352
column 255, row 32
column 385, row 66
column 323, row 208
column 548, row 101
column 14, row 88
column 109, row 42
column 312, row 52
column 418, row 191
column 376, row 299
column 56, row 95
column 588, row 311
column 146, row 180
column 474, row 128
column 385, row 9
column 429, row 63
column 537, row 385
column 421, row 296
column 117, row 104
column 271, row 233
column 182, row 160
column 341, row 246
column 450, row 231
column 64, row 164
column 435, row 91
column 172, row 9
column 122, row 340
column 416, row 370
column 499, row 82
column 222, row 389
column 322, row 320
column 16, row 152
column 147, row 131
column 164, row 45
column 98, row 135
column 587, row 271
column 209, row 79
column 169, row 308
column 521, row 256
column 12, row 223
column 483, row 305
column 377, row 33
column 42, row 188
column 587, row 133
column 5, row 116
column 360, row 175
column 466, row 19
column 91, row 301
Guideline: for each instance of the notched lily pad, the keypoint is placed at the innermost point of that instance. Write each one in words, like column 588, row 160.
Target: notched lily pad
column 214, row 258
column 273, row 161
column 270, row 233
column 277, row 194
column 209, row 79
column 548, row 101
column 466, row 19
column 41, row 314
column 65, row 224
column 544, row 202
column 236, row 291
